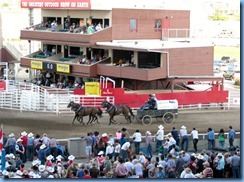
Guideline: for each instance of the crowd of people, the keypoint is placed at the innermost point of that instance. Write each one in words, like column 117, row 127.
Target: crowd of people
column 113, row 156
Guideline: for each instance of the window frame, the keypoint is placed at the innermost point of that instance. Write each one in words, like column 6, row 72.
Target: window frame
column 134, row 30
column 155, row 23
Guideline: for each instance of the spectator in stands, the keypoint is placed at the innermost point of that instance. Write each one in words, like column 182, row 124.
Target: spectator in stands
column 221, row 139
column 184, row 138
column 159, row 137
column 10, row 144
column 149, row 140
column 98, row 27
column 30, row 146
column 137, row 141
column 194, row 135
column 232, row 133
column 175, row 135
column 53, row 26
column 235, row 163
column 24, row 143
column 53, row 144
column 211, row 139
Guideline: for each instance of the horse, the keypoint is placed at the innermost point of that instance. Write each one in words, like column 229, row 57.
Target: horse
column 114, row 110
column 81, row 111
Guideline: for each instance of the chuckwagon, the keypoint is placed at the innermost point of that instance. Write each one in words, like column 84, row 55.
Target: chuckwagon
column 167, row 111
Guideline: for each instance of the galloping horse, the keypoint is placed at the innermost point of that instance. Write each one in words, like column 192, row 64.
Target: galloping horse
column 114, row 110
column 81, row 111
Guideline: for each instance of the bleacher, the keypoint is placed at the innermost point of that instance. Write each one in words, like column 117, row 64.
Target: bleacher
column 40, row 55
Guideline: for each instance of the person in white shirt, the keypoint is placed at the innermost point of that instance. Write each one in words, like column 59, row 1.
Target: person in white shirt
column 137, row 141
column 171, row 141
column 194, row 135
column 142, row 159
column 117, row 147
column 124, row 150
column 109, row 150
column 159, row 137
column 138, row 168
column 129, row 165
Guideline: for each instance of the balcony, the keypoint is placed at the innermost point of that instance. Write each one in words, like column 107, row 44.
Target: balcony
column 130, row 72
column 76, row 69
column 63, row 37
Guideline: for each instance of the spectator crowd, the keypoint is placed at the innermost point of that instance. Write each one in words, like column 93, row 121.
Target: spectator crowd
column 120, row 156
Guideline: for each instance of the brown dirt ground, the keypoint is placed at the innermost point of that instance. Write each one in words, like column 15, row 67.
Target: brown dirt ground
column 59, row 126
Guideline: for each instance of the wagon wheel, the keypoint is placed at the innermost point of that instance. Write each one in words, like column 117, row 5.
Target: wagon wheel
column 147, row 120
column 168, row 118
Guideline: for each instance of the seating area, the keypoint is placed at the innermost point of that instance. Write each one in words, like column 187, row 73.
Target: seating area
column 40, row 55
column 68, row 58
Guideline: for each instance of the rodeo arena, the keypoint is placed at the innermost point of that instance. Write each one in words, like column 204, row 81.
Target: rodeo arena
column 99, row 103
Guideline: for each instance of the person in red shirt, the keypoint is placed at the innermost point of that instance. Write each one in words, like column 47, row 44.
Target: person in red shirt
column 24, row 143
column 87, row 175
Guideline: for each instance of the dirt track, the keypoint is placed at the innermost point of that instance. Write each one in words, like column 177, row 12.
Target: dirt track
column 59, row 126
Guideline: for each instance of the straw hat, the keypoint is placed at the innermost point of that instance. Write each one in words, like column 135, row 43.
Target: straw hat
column 50, row 157
column 71, row 157
column 42, row 146
column 161, row 127
column 100, row 153
column 24, row 133
column 148, row 133
column 41, row 168
column 30, row 135
column 19, row 140
column 183, row 127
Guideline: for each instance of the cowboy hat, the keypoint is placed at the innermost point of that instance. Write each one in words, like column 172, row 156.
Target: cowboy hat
column 19, row 140
column 19, row 173
column 5, row 173
column 50, row 169
column 71, row 157
column 50, row 157
column 136, row 160
column 109, row 142
column 36, row 176
column 24, row 133
column 100, row 153
column 148, row 133
column 219, row 155
column 161, row 127
column 30, row 135
column 59, row 157
column 12, row 156
column 200, row 156
column 11, row 135
column 35, row 162
column 183, row 127
column 41, row 168
column 42, row 146
column 31, row 173
column 104, row 134
column 152, row 95
column 160, row 165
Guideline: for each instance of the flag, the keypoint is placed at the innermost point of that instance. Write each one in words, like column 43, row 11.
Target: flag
column 1, row 138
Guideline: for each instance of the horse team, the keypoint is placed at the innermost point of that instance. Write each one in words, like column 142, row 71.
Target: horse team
column 94, row 112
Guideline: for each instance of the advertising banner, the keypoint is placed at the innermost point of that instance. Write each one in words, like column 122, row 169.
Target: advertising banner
column 64, row 68
column 36, row 64
column 79, row 4
column 92, row 88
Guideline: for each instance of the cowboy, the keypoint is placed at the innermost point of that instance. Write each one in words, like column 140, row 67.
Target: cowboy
column 20, row 149
column 183, row 134
column 30, row 146
column 159, row 137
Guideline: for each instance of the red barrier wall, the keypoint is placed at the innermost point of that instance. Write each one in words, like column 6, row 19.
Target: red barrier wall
column 2, row 86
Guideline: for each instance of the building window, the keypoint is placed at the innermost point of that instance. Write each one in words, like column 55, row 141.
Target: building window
column 133, row 25
column 158, row 25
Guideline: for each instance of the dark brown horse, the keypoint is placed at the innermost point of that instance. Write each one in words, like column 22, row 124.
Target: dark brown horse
column 114, row 110
column 81, row 111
